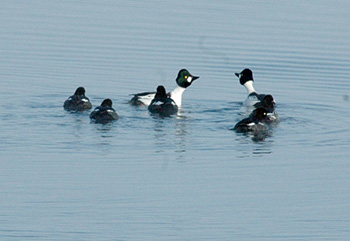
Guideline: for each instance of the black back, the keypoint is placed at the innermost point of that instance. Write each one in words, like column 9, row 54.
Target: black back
column 162, row 104
column 104, row 113
column 78, row 101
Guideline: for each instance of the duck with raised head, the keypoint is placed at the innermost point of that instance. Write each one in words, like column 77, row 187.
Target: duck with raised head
column 246, row 79
column 104, row 113
column 78, row 101
column 184, row 79
column 162, row 104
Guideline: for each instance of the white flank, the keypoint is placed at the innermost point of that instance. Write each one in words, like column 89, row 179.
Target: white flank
column 176, row 95
column 158, row 103
column 146, row 99
column 250, row 101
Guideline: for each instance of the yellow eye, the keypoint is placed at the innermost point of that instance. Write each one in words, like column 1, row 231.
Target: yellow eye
column 186, row 76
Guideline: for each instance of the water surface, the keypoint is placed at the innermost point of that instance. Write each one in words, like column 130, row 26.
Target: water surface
column 188, row 177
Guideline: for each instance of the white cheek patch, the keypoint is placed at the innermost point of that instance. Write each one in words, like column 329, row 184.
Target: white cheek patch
column 189, row 79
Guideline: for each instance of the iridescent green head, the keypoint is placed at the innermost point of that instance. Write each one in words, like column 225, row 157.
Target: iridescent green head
column 184, row 78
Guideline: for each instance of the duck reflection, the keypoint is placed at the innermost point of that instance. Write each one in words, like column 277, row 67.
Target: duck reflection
column 170, row 136
column 254, row 145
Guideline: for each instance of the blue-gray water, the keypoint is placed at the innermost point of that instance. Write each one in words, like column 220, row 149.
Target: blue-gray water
column 187, row 177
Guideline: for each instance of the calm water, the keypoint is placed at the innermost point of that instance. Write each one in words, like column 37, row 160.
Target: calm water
column 183, row 178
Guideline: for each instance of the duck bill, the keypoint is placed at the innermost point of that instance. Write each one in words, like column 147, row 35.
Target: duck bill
column 237, row 74
column 195, row 77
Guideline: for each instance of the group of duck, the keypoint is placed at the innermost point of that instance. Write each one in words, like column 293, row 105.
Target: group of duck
column 166, row 104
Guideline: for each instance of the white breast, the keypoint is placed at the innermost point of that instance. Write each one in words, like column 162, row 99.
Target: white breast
column 176, row 95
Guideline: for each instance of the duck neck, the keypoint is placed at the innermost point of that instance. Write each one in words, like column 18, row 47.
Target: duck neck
column 249, row 87
column 176, row 95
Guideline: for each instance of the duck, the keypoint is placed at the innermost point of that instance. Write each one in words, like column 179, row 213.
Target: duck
column 184, row 79
column 104, row 113
column 78, row 101
column 162, row 104
column 246, row 79
column 256, row 122
column 268, row 103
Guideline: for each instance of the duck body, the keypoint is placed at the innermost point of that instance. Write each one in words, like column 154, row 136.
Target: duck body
column 162, row 104
column 184, row 79
column 104, row 113
column 78, row 101
column 256, row 122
